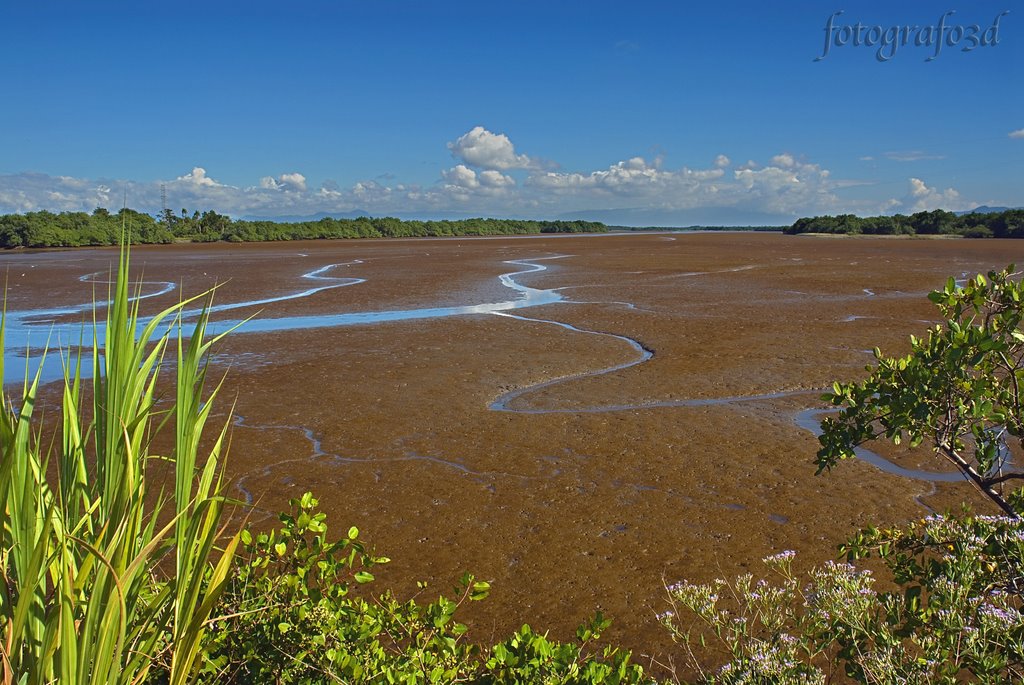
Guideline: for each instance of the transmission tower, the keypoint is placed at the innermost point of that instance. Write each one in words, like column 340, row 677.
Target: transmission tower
column 163, row 202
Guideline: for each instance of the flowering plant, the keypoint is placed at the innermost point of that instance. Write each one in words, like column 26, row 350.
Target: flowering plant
column 955, row 608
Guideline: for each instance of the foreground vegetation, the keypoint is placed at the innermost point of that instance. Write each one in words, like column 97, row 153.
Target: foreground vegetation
column 1005, row 224
column 85, row 532
column 105, row 579
column 76, row 229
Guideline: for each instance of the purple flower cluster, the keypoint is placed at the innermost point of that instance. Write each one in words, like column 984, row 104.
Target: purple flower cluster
column 780, row 558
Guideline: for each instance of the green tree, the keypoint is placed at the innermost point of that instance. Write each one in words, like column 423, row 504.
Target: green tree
column 213, row 224
column 959, row 390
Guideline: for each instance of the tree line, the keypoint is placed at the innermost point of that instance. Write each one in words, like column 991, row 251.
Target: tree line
column 102, row 227
column 1005, row 224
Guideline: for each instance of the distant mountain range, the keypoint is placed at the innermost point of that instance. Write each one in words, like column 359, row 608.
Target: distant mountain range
column 295, row 218
column 985, row 209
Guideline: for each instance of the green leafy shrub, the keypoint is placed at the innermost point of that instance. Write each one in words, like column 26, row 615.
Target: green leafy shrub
column 290, row 616
column 297, row 611
column 529, row 657
column 979, row 232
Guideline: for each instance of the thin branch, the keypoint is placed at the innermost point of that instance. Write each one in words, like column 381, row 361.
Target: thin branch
column 977, row 479
column 1004, row 478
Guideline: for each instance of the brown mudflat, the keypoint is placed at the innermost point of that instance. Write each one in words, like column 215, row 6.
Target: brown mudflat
column 570, row 511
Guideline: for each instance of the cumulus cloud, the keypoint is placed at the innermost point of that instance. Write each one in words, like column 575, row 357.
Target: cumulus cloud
column 29, row 192
column 495, row 179
column 294, row 182
column 784, row 160
column 329, row 189
column 788, row 186
column 463, row 183
column 461, row 176
column 371, row 194
column 635, row 175
column 481, row 148
column 922, row 198
column 721, row 161
column 198, row 177
column 785, row 186
column 1018, row 134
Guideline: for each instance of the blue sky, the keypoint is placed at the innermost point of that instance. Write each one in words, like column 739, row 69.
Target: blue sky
column 643, row 112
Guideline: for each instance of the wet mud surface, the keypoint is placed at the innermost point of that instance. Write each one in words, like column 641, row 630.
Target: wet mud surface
column 576, row 454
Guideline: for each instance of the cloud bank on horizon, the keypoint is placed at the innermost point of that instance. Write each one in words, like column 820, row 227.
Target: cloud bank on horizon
column 490, row 177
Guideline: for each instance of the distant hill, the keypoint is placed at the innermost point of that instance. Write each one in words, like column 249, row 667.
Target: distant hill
column 985, row 209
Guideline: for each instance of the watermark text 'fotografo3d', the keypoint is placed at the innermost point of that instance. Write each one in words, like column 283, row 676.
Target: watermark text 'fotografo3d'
column 887, row 40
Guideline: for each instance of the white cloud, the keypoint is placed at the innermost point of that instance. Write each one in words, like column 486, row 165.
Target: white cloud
column 922, row 198
column 721, row 161
column 464, row 184
column 293, row 182
column 1018, row 134
column 29, row 192
column 330, row 190
column 634, row 175
column 481, row 148
column 788, row 186
column 461, row 176
column 370, row 194
column 495, row 179
column 783, row 160
column 198, row 177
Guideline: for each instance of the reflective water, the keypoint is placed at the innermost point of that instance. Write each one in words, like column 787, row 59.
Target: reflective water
column 28, row 331
column 808, row 420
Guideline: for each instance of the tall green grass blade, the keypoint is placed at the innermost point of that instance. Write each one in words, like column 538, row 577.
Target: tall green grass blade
column 84, row 596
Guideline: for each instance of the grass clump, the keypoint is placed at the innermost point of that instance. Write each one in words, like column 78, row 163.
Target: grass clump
column 87, row 540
